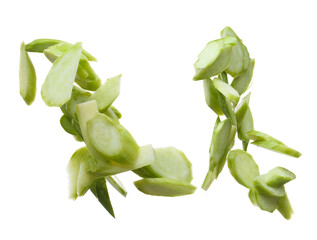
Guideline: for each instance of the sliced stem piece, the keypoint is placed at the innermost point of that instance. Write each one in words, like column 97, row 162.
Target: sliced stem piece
column 164, row 187
column 100, row 190
column 107, row 93
column 214, row 58
column 242, row 167
column 27, row 77
column 117, row 184
column 57, row 88
column 240, row 55
column 212, row 96
column 260, row 184
column 229, row 92
column 276, row 147
column 260, row 136
column 285, row 208
column 242, row 82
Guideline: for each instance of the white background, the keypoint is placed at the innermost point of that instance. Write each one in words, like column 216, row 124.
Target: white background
column 154, row 45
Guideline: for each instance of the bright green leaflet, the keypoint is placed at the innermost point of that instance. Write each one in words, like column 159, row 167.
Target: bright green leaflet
column 214, row 58
column 107, row 93
column 39, row 45
column 212, row 96
column 229, row 92
column 242, row 82
column 100, row 190
column 284, row 207
column 240, row 56
column 164, row 187
column 27, row 76
column 169, row 163
column 276, row 147
column 242, row 167
column 112, row 140
column 218, row 151
column 58, row 85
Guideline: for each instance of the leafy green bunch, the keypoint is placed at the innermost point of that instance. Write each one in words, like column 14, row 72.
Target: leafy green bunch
column 228, row 55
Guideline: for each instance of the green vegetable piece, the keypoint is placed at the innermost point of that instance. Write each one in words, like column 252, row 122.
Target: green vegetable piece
column 244, row 121
column 145, row 153
column 260, row 136
column 164, row 187
column 67, row 125
column 227, row 108
column 223, row 76
column 279, row 176
column 214, row 58
column 240, row 55
column 39, row 45
column 264, row 202
column 85, row 76
column 57, row 88
column 212, row 96
column 100, row 190
column 241, row 109
column 85, row 178
column 27, row 77
column 116, row 111
column 73, row 170
column 101, row 166
column 260, row 184
column 107, row 93
column 218, row 151
column 116, row 183
column 229, row 92
column 112, row 140
column 78, row 96
column 242, row 82
column 276, row 147
column 284, row 207
column 169, row 163
column 111, row 114
column 242, row 167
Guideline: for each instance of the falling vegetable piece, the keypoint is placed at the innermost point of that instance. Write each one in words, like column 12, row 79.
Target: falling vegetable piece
column 284, row 207
column 107, row 93
column 73, row 170
column 100, row 190
column 242, row 167
column 169, row 163
column 57, row 88
column 39, row 45
column 214, row 58
column 229, row 92
column 276, row 147
column 264, row 202
column 260, row 184
column 27, row 77
column 117, row 184
column 218, row 151
column 212, row 96
column 164, row 187
column 243, row 81
column 85, row 76
column 260, row 136
column 239, row 61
